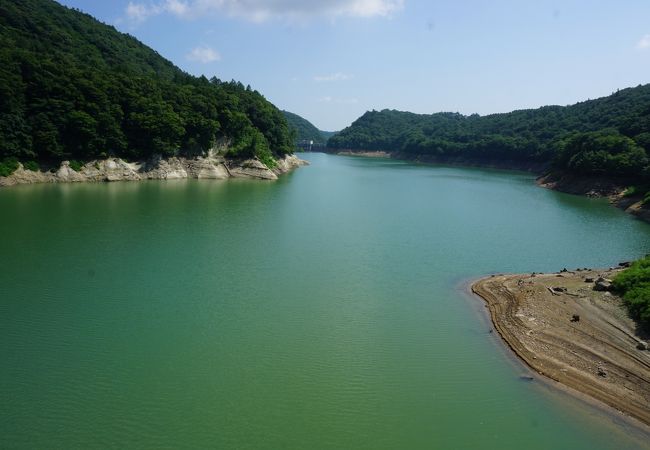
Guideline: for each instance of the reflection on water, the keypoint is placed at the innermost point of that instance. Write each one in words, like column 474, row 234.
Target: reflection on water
column 319, row 311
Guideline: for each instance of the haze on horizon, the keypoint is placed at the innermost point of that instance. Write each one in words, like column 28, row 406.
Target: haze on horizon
column 330, row 61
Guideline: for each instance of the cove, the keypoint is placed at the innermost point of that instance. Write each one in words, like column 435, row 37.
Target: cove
column 323, row 310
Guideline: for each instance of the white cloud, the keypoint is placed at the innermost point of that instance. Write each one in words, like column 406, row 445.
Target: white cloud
column 338, row 76
column 177, row 7
column 203, row 55
column 644, row 43
column 263, row 10
column 139, row 12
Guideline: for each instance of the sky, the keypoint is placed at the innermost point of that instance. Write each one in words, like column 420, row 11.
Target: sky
column 331, row 60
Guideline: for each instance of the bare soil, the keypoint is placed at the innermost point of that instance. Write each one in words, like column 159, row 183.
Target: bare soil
column 567, row 331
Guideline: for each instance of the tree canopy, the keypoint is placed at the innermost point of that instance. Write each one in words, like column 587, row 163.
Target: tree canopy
column 606, row 136
column 305, row 130
column 74, row 88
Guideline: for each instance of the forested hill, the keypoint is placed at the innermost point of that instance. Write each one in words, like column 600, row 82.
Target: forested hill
column 607, row 136
column 74, row 88
column 305, row 130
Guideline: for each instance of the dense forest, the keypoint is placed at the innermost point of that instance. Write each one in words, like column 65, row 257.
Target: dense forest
column 74, row 88
column 608, row 136
column 304, row 129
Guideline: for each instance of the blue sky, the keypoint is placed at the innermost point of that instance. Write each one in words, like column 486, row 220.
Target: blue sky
column 330, row 61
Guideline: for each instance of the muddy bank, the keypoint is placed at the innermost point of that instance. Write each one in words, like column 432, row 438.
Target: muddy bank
column 569, row 330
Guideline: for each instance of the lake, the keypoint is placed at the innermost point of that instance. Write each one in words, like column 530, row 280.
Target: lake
column 328, row 309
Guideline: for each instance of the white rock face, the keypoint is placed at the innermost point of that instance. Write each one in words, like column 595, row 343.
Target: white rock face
column 288, row 163
column 218, row 172
column 251, row 168
column 111, row 170
column 66, row 174
column 212, row 166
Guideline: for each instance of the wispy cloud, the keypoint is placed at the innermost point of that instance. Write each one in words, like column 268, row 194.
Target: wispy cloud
column 338, row 76
column 264, row 10
column 341, row 101
column 644, row 43
column 203, row 55
column 139, row 12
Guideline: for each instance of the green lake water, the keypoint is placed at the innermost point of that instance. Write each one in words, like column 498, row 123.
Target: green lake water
column 325, row 310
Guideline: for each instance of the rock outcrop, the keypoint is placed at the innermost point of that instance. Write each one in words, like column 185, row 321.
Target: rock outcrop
column 251, row 168
column 212, row 166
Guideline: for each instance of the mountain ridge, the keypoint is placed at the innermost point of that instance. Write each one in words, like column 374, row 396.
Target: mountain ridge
column 73, row 88
column 606, row 136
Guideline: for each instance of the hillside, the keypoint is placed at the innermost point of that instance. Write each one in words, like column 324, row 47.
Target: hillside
column 74, row 88
column 305, row 130
column 609, row 136
column 328, row 134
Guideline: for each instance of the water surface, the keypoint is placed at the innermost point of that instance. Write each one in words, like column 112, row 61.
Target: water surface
column 320, row 311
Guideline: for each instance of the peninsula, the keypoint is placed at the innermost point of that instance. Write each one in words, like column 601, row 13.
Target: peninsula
column 569, row 327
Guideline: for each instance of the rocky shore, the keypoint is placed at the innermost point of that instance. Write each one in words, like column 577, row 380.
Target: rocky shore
column 365, row 154
column 569, row 327
column 212, row 166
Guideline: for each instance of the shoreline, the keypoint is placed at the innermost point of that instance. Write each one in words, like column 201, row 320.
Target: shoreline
column 584, row 186
column 535, row 168
column 558, row 392
column 594, row 359
column 212, row 166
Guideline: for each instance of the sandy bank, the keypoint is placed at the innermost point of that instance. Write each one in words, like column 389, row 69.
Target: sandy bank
column 599, row 355
column 211, row 166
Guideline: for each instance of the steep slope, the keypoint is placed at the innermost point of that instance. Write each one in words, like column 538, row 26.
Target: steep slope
column 327, row 134
column 74, row 88
column 304, row 129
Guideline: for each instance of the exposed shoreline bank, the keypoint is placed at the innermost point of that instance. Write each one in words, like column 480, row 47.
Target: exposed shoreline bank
column 591, row 187
column 459, row 162
column 613, row 190
column 212, row 166
column 597, row 356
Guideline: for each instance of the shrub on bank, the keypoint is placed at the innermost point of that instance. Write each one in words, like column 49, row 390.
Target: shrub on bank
column 634, row 286
column 31, row 165
column 8, row 166
column 76, row 165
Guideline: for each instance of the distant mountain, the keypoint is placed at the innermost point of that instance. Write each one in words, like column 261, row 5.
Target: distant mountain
column 609, row 136
column 306, row 131
column 328, row 134
column 74, row 88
